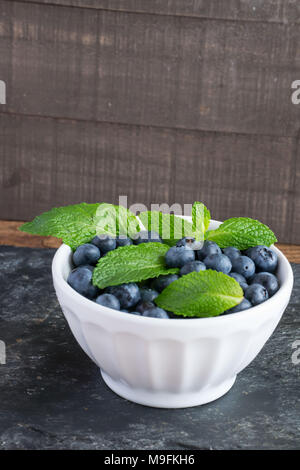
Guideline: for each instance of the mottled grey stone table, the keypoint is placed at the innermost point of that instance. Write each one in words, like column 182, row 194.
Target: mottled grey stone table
column 52, row 395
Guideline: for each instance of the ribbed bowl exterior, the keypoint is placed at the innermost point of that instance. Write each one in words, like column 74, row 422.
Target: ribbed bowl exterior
column 169, row 363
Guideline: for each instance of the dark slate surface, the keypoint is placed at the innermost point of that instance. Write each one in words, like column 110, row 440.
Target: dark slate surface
column 52, row 396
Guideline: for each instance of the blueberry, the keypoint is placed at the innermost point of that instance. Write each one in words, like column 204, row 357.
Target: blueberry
column 156, row 312
column 192, row 266
column 145, row 237
column 128, row 294
column 108, row 300
column 209, row 248
column 244, row 266
column 161, row 282
column 86, row 254
column 190, row 242
column 88, row 266
column 232, row 252
column 141, row 307
column 240, row 279
column 219, row 262
column 244, row 305
column 123, row 241
column 178, row 256
column 104, row 243
column 256, row 294
column 248, row 252
column 264, row 258
column 268, row 280
column 134, row 313
column 147, row 295
column 81, row 281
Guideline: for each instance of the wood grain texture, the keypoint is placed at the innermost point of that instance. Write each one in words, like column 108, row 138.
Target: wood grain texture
column 295, row 199
column 292, row 252
column 10, row 235
column 150, row 70
column 250, row 10
column 240, row 175
column 50, row 162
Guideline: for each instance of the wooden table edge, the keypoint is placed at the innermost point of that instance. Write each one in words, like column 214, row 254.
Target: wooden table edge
column 10, row 235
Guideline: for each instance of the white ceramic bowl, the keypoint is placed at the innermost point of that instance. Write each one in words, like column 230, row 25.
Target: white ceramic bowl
column 171, row 363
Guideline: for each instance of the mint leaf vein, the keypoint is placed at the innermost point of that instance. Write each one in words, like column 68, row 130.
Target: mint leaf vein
column 131, row 264
column 241, row 232
column 203, row 294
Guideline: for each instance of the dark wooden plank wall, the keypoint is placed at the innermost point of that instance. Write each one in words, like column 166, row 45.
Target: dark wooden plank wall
column 164, row 101
column 149, row 69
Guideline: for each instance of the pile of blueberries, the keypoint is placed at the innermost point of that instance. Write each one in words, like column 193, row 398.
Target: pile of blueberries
column 254, row 269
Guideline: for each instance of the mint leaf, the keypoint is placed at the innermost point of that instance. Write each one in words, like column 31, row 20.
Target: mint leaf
column 201, row 219
column 79, row 223
column 170, row 227
column 204, row 294
column 115, row 220
column 131, row 264
column 241, row 232
column 74, row 224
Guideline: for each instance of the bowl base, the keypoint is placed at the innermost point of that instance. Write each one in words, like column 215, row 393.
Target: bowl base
column 167, row 400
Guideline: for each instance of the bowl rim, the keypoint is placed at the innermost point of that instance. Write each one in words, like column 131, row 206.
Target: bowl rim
column 63, row 252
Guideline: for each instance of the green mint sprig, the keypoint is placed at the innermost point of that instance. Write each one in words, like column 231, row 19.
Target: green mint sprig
column 170, row 227
column 241, row 232
column 115, row 220
column 201, row 220
column 204, row 294
column 132, row 263
column 79, row 223
column 73, row 224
